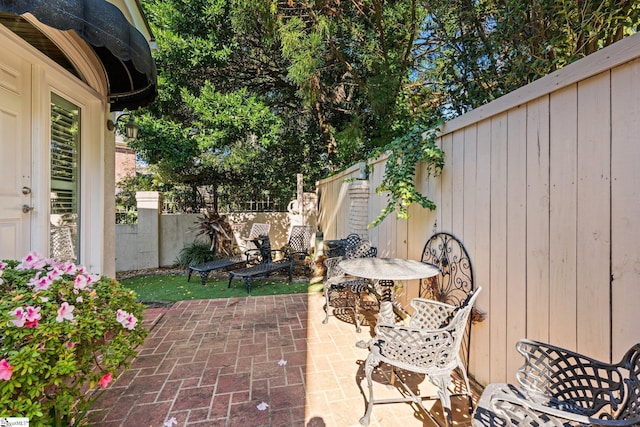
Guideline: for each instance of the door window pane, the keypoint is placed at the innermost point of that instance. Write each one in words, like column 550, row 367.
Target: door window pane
column 65, row 182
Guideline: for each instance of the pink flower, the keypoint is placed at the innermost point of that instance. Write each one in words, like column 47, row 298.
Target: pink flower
column 40, row 283
column 33, row 313
column 32, row 261
column 105, row 380
column 32, row 316
column 132, row 322
column 5, row 370
column 65, row 312
column 81, row 282
column 67, row 268
column 54, row 274
column 3, row 265
column 121, row 315
column 20, row 317
column 127, row 320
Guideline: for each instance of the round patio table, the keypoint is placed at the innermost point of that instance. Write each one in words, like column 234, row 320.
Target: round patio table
column 386, row 270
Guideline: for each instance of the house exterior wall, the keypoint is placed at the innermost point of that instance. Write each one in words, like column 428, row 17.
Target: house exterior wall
column 45, row 77
column 542, row 187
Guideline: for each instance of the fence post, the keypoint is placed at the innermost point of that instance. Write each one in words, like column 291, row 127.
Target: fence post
column 149, row 208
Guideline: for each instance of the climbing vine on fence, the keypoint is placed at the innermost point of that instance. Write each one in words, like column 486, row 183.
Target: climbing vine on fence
column 405, row 153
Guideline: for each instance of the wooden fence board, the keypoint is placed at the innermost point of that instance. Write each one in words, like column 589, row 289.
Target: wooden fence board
column 516, row 285
column 499, row 248
column 625, row 207
column 457, row 183
column 481, row 256
column 593, row 222
column 538, row 219
column 446, row 207
column 562, row 217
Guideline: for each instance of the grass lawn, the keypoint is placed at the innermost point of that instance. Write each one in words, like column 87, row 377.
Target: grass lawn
column 174, row 287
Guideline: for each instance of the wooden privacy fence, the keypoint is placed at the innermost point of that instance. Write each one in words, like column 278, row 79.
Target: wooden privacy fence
column 543, row 188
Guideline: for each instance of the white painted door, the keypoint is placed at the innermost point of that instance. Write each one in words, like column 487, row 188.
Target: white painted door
column 15, row 158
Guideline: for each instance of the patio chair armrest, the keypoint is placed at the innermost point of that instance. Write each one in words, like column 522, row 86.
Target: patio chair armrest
column 570, row 376
column 254, row 254
column 513, row 407
column 298, row 254
column 417, row 347
column 251, row 254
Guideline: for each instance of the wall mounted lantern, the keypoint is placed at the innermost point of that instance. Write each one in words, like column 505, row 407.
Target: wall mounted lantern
column 131, row 128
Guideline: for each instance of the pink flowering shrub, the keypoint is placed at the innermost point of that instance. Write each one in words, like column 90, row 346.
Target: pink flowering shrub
column 65, row 334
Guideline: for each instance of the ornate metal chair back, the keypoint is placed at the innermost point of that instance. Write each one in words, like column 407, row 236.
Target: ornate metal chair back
column 333, row 270
column 350, row 241
column 455, row 283
column 259, row 229
column 300, row 238
column 362, row 249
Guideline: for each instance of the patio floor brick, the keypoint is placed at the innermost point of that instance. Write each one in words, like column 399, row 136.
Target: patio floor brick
column 212, row 362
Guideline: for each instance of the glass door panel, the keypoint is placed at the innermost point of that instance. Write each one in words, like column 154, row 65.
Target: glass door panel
column 65, row 179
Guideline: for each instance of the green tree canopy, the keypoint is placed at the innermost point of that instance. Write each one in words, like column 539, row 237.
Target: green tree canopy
column 252, row 93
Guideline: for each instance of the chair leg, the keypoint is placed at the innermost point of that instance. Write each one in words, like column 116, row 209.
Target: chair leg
column 443, row 382
column 466, row 381
column 203, row 277
column 370, row 364
column 326, row 307
column 189, row 276
column 356, row 310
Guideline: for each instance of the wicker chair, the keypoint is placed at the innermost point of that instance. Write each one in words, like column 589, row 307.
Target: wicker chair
column 558, row 387
column 429, row 345
column 338, row 285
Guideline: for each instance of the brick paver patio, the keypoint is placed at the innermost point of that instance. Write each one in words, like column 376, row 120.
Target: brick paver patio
column 212, row 362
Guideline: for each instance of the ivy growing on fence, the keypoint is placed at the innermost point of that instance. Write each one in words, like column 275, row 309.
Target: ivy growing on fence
column 405, row 154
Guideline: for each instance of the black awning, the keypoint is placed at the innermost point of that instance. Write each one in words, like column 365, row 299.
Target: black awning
column 122, row 49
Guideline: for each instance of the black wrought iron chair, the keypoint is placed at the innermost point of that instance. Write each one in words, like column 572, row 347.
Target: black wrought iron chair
column 249, row 253
column 339, row 286
column 558, row 387
column 455, row 282
column 339, row 247
column 299, row 245
column 274, row 260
